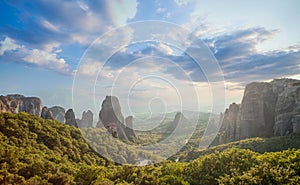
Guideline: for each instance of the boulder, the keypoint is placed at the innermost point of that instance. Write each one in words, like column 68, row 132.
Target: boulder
column 70, row 118
column 58, row 113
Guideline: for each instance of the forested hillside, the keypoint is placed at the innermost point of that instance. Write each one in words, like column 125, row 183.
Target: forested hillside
column 38, row 151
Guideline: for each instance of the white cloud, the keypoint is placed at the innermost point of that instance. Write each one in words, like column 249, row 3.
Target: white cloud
column 47, row 60
column 89, row 68
column 121, row 11
column 8, row 44
column 182, row 2
column 49, row 26
column 165, row 49
column 51, row 46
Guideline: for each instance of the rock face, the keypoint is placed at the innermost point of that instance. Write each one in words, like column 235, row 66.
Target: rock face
column 257, row 112
column 86, row 120
column 229, row 123
column 70, row 118
column 8, row 104
column 18, row 103
column 58, row 113
column 267, row 109
column 46, row 113
column 288, row 110
column 112, row 118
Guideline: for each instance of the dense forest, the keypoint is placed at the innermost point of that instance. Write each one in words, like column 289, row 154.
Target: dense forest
column 38, row 151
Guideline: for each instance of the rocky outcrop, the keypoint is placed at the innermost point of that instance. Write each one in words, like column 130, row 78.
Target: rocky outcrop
column 267, row 109
column 8, row 104
column 229, row 119
column 257, row 112
column 180, row 121
column 46, row 113
column 112, row 119
column 70, row 118
column 58, row 113
column 86, row 120
column 129, row 128
column 288, row 110
column 18, row 103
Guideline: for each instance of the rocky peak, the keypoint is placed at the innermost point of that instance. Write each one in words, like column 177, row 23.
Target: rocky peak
column 46, row 113
column 86, row 120
column 112, row 118
column 229, row 120
column 70, row 118
column 111, row 111
column 58, row 113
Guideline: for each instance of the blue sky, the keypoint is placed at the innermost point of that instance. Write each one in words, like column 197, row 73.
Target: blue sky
column 42, row 43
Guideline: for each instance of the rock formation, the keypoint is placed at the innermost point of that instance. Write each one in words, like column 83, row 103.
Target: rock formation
column 58, row 113
column 46, row 113
column 18, row 103
column 288, row 110
column 70, row 118
column 257, row 112
column 8, row 104
column 129, row 128
column 267, row 109
column 86, row 120
column 112, row 118
column 229, row 119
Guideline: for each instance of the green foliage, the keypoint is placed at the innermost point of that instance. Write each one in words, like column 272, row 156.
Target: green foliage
column 37, row 151
column 260, row 145
column 272, row 168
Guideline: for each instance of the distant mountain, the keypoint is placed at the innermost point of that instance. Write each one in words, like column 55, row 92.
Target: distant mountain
column 149, row 122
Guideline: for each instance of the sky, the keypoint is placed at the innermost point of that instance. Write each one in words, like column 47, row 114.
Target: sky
column 156, row 56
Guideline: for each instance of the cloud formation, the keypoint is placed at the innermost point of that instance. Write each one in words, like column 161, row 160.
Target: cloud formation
column 242, row 62
column 10, row 51
column 48, row 28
